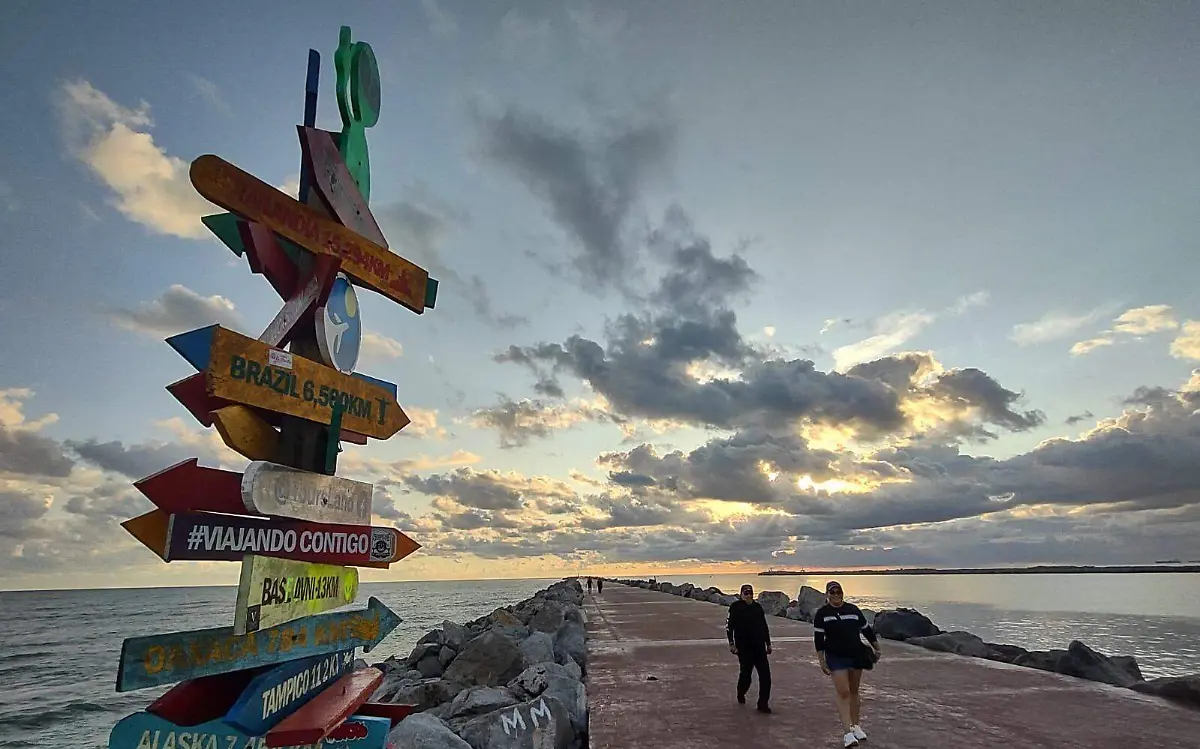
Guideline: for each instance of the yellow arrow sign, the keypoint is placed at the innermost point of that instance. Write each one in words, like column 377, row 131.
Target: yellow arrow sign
column 273, row 591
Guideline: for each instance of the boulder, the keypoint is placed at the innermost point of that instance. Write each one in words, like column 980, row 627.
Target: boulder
column 959, row 643
column 424, row 731
column 808, row 600
column 537, row 648
column 570, row 643
column 1004, row 653
column 774, row 602
column 1182, row 689
column 1129, row 665
column 903, row 624
column 423, row 694
column 477, row 701
column 549, row 617
column 454, row 635
column 726, row 600
column 488, row 660
column 537, row 679
column 541, row 723
column 1082, row 662
column 431, row 665
column 793, row 611
column 446, row 654
column 422, row 650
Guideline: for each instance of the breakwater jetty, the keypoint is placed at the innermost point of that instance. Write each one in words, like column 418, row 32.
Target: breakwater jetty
column 660, row 675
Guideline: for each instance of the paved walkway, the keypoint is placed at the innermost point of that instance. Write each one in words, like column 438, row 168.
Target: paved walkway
column 914, row 698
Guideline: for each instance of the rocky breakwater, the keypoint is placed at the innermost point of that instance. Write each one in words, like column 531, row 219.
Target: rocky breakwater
column 513, row 679
column 911, row 626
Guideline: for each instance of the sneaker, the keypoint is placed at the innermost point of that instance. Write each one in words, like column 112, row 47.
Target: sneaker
column 849, row 739
column 741, row 699
column 858, row 732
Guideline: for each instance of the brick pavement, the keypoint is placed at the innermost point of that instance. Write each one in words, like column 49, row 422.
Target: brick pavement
column 914, row 698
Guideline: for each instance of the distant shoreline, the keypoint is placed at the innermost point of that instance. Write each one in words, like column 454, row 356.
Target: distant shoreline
column 1039, row 570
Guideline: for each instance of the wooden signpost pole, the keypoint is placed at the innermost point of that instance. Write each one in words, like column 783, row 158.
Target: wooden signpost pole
column 282, row 673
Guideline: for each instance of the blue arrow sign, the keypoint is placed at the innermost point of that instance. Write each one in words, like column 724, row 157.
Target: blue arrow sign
column 165, row 659
column 195, row 346
column 146, row 731
column 273, row 695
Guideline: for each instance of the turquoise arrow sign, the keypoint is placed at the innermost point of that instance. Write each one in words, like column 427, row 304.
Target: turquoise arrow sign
column 273, row 695
column 146, row 731
column 195, row 346
column 165, row 659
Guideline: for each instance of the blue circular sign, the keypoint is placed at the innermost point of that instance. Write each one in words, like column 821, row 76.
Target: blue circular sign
column 339, row 326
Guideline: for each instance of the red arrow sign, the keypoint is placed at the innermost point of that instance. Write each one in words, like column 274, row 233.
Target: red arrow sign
column 187, row 487
column 325, row 712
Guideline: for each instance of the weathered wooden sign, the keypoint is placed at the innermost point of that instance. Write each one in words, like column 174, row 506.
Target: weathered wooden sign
column 146, row 731
column 323, row 713
column 278, row 692
column 274, row 591
column 213, row 537
column 334, row 184
column 281, row 491
column 369, row 264
column 246, row 433
column 187, row 486
column 168, row 658
column 242, row 370
column 196, row 701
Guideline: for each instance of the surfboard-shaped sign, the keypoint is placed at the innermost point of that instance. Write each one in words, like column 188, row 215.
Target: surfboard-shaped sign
column 275, row 591
column 275, row 694
column 145, row 731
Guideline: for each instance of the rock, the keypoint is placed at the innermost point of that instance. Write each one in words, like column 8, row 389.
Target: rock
column 571, row 667
column 1003, row 653
column 869, row 615
column 454, row 635
column 573, row 613
column 1129, row 665
column 549, row 618
column 1182, row 689
column 570, row 643
column 424, row 731
column 774, row 602
column 1080, row 661
column 489, row 660
column 446, row 654
column 537, row 679
column 423, row 694
column 541, row 723
column 793, row 612
column 422, row 650
column 537, row 648
column 431, row 666
column 573, row 695
column 391, row 665
column 431, row 637
column 959, row 643
column 505, row 618
column 903, row 624
column 727, row 600
column 808, row 600
column 479, row 700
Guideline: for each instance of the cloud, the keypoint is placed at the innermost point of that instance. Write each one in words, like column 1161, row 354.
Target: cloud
column 1135, row 322
column 177, row 310
column 422, row 225
column 893, row 331
column 134, row 461
column 517, row 422
column 23, row 451
column 1077, row 418
column 1187, row 344
column 589, row 183
column 442, row 22
column 1052, row 326
column 380, row 346
column 149, row 186
column 423, row 423
column 208, row 91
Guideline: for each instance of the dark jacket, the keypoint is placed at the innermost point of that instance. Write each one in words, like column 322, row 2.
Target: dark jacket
column 837, row 631
column 747, row 625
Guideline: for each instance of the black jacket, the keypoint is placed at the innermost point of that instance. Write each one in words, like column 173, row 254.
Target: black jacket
column 747, row 625
column 837, row 631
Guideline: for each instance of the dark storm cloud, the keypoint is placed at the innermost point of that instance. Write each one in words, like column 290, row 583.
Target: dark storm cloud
column 421, row 228
column 19, row 512
column 974, row 388
column 590, row 183
column 1078, row 418
column 28, row 454
column 134, row 461
column 470, row 489
column 518, row 422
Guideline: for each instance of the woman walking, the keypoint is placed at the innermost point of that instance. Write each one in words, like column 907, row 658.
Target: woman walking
column 836, row 629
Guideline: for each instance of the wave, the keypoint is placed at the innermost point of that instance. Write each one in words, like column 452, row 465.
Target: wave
column 22, row 657
column 46, row 718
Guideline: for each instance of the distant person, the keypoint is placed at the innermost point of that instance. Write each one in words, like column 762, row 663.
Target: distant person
column 599, row 585
column 589, row 585
column 837, row 627
column 750, row 640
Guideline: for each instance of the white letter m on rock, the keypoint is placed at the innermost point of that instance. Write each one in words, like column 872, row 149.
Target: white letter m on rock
column 543, row 710
column 516, row 720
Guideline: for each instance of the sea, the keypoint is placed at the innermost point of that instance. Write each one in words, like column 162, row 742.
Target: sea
column 59, row 659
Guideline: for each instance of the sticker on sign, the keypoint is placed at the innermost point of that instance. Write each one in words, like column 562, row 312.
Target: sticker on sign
column 281, row 359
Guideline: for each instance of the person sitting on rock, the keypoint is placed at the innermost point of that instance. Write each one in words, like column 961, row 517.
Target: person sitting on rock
column 836, row 629
column 750, row 640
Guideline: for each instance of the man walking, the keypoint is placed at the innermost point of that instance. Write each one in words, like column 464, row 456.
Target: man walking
column 750, row 640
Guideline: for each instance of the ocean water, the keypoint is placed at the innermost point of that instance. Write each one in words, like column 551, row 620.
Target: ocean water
column 59, row 658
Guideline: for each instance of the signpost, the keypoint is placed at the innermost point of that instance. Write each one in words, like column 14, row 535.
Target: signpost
column 282, row 674
column 155, row 660
column 206, row 536
column 274, row 591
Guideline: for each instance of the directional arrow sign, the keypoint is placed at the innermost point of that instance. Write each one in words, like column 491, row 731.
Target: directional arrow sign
column 146, row 731
column 317, row 719
column 264, row 489
column 273, row 489
column 275, row 694
column 335, row 185
column 246, row 433
column 368, row 263
column 196, row 701
column 274, row 591
column 243, row 370
column 212, row 537
column 165, row 659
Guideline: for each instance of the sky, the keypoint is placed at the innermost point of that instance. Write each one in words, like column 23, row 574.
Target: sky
column 723, row 286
